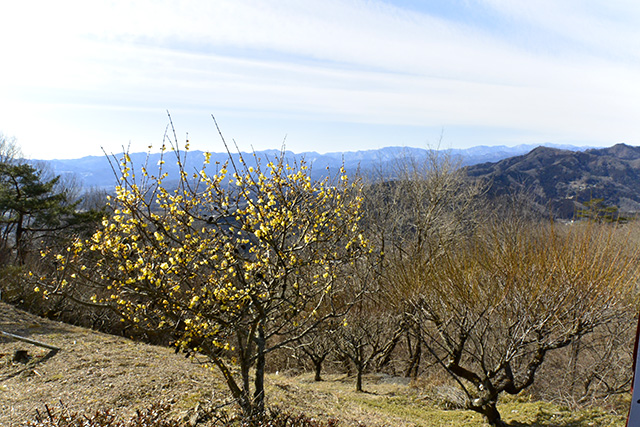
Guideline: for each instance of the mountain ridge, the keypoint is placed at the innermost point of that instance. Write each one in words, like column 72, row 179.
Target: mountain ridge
column 563, row 180
column 96, row 171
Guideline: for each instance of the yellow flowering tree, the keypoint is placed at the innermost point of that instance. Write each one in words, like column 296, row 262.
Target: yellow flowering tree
column 235, row 260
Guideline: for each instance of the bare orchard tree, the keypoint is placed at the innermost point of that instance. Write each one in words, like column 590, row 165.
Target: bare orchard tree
column 318, row 345
column 593, row 369
column 431, row 206
column 493, row 309
column 368, row 333
column 420, row 210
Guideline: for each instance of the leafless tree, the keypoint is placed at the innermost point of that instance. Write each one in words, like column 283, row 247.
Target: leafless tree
column 493, row 309
column 366, row 336
column 9, row 149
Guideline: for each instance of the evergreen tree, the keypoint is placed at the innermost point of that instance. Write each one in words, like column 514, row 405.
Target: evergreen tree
column 597, row 210
column 34, row 209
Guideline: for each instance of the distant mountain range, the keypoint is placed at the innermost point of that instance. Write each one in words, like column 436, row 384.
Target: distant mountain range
column 562, row 180
column 96, row 171
column 558, row 178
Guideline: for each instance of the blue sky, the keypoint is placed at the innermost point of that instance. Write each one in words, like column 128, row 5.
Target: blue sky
column 326, row 75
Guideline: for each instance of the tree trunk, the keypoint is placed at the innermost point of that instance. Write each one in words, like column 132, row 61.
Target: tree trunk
column 490, row 413
column 258, row 396
column 238, row 394
column 387, row 351
column 20, row 256
column 414, row 363
column 317, row 362
column 244, row 355
column 492, row 416
column 573, row 364
column 359, row 378
column 346, row 364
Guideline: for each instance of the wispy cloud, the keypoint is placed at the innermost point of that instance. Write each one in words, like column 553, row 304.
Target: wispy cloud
column 607, row 29
column 553, row 70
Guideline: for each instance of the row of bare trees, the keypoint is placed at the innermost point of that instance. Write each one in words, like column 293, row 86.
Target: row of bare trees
column 487, row 294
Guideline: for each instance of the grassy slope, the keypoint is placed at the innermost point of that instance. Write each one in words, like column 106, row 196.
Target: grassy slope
column 391, row 404
column 95, row 370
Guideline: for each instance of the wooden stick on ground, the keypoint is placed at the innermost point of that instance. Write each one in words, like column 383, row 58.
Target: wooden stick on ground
column 29, row 340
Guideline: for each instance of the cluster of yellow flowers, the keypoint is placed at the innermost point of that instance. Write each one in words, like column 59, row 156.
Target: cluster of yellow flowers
column 216, row 251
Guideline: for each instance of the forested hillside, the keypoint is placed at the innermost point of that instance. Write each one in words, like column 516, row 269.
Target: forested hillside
column 562, row 180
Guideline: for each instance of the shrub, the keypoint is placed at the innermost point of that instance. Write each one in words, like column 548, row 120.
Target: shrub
column 158, row 415
column 155, row 416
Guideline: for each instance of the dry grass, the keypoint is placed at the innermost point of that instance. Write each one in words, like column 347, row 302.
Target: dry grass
column 95, row 370
column 390, row 401
column 92, row 370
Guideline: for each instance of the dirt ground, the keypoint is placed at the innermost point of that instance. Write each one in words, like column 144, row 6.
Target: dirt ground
column 93, row 370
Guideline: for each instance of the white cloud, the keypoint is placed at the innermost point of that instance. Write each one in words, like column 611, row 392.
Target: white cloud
column 560, row 69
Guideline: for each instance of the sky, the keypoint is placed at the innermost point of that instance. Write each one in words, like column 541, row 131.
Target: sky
column 81, row 77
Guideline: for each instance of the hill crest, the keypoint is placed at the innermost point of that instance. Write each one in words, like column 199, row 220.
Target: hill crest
column 562, row 180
